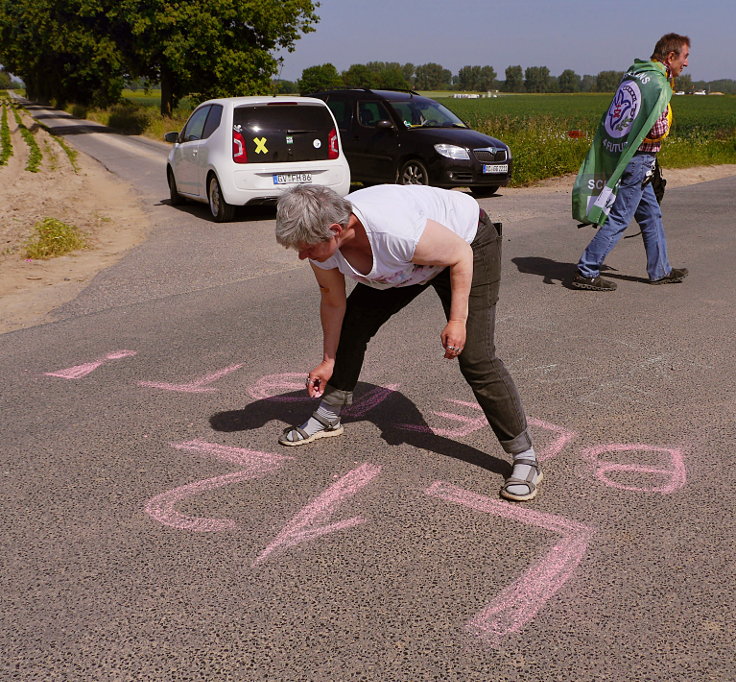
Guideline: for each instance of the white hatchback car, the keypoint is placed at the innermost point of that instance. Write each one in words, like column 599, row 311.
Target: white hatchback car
column 239, row 150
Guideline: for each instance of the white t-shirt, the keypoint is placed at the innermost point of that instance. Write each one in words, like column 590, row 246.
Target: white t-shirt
column 394, row 218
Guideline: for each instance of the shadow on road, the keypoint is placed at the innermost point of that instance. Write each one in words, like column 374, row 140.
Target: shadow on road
column 243, row 214
column 550, row 270
column 553, row 271
column 397, row 417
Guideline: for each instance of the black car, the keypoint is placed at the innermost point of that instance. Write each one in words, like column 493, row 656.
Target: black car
column 400, row 136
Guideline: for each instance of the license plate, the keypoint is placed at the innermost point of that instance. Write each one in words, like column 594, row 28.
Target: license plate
column 291, row 178
column 496, row 168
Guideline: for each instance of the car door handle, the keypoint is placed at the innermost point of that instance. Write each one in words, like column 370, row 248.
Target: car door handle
column 195, row 152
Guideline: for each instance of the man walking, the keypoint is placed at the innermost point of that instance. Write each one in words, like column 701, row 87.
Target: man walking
column 614, row 182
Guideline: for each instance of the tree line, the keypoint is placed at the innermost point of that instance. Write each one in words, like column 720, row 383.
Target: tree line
column 84, row 51
column 432, row 76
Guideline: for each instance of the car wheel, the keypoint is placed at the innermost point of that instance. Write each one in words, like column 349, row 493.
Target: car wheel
column 485, row 191
column 413, row 172
column 221, row 211
column 175, row 199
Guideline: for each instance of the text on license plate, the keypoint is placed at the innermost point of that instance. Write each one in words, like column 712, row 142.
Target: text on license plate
column 495, row 168
column 290, row 178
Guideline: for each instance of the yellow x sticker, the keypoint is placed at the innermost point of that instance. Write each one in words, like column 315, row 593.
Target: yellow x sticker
column 260, row 145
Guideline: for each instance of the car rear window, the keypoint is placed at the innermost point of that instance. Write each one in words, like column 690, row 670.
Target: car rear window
column 281, row 132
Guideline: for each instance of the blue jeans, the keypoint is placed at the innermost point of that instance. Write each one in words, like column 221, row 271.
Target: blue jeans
column 368, row 309
column 632, row 201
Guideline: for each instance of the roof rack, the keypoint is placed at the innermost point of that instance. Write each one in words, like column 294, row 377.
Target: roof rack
column 406, row 90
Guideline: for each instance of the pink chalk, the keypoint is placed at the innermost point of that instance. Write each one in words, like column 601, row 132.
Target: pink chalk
column 674, row 472
column 270, row 386
column 254, row 464
column 367, row 402
column 312, row 521
column 470, row 424
column 519, row 602
column 197, row 386
column 80, row 371
column 558, row 444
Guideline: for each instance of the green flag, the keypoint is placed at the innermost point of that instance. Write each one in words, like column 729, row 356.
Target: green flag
column 642, row 96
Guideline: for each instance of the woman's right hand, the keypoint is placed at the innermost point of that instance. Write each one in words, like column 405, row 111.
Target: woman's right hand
column 318, row 378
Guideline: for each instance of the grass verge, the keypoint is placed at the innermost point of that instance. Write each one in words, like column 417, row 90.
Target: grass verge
column 7, row 144
column 34, row 151
column 53, row 238
column 71, row 153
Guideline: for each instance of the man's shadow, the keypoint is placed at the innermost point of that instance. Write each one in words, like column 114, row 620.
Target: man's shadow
column 396, row 416
column 550, row 270
column 553, row 271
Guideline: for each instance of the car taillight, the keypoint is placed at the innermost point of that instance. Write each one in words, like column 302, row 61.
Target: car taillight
column 240, row 155
column 333, row 149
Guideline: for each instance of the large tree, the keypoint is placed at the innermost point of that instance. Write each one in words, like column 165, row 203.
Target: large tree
column 569, row 81
column 80, row 50
column 587, row 83
column 684, row 83
column 358, row 76
column 213, row 47
column 607, row 81
column 432, row 77
column 476, row 78
column 6, row 82
column 537, row 79
column 316, row 78
column 64, row 50
column 391, row 74
column 514, row 79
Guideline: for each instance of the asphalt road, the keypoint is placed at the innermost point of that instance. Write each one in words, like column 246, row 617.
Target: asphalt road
column 155, row 530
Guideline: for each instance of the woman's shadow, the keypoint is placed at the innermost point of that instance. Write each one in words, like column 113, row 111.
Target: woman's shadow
column 391, row 411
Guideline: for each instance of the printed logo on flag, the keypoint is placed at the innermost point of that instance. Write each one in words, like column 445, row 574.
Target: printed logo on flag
column 623, row 110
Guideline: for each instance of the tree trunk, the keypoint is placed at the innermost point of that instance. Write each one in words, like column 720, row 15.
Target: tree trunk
column 167, row 92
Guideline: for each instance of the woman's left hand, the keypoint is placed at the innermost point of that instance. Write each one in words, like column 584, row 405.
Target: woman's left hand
column 453, row 339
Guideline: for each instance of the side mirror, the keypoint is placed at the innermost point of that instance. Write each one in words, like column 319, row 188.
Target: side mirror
column 385, row 124
column 171, row 137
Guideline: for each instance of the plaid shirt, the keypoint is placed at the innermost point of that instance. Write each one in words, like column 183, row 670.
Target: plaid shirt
column 660, row 128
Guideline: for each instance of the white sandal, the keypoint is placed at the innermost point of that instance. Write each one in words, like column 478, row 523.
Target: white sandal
column 532, row 480
column 332, row 428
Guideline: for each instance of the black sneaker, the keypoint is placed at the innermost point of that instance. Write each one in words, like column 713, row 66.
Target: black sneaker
column 676, row 275
column 593, row 283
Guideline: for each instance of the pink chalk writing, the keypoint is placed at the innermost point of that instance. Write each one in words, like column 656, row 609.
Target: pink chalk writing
column 312, row 521
column 271, row 386
column 469, row 424
column 558, row 444
column 520, row 602
column 673, row 471
column 367, row 402
column 80, row 371
column 200, row 385
column 254, row 464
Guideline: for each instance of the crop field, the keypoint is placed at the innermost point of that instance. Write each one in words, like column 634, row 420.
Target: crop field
column 537, row 128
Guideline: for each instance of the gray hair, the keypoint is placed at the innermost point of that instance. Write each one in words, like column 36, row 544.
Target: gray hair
column 304, row 214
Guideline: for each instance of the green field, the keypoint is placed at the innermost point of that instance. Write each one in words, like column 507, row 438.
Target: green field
column 536, row 127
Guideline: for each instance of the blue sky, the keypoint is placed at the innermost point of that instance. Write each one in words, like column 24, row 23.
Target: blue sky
column 586, row 36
